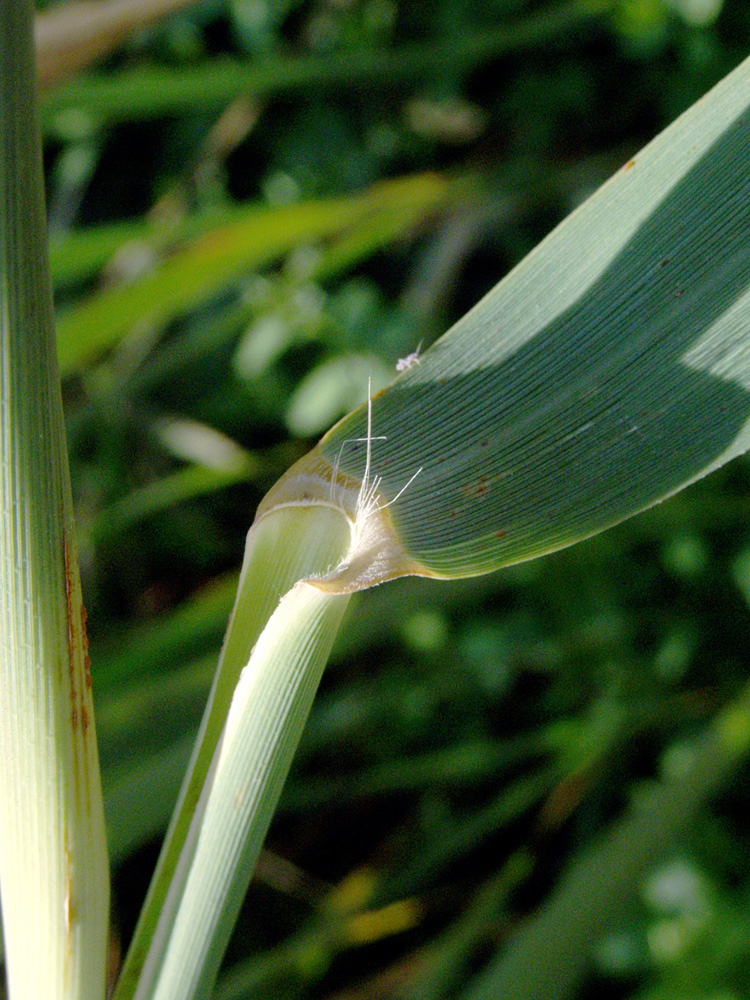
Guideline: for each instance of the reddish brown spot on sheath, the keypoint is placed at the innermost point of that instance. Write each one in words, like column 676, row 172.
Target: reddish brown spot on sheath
column 77, row 642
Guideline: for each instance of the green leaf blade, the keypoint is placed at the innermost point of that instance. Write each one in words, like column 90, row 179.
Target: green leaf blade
column 606, row 372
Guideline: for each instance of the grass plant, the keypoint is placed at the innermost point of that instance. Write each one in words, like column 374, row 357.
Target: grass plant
column 605, row 372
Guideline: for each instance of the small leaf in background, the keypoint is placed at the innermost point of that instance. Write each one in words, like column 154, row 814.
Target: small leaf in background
column 332, row 389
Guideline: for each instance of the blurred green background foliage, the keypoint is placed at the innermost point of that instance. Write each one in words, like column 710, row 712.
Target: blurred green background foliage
column 255, row 206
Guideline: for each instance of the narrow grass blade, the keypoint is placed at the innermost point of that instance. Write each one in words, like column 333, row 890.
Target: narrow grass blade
column 600, row 887
column 207, row 263
column 76, row 254
column 148, row 92
column 53, row 863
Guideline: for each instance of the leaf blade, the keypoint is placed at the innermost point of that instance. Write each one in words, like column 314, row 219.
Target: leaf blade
column 603, row 374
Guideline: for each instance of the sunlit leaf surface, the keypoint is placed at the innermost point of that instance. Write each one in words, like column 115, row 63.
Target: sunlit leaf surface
column 608, row 370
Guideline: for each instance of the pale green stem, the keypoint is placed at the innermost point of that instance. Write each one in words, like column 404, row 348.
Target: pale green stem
column 53, row 862
column 282, row 548
column 268, row 714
